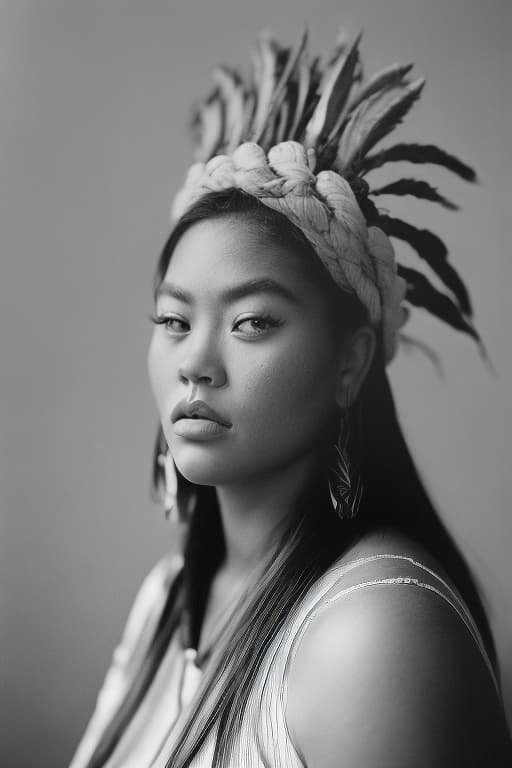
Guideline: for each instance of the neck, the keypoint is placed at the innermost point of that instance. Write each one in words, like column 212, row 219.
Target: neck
column 254, row 512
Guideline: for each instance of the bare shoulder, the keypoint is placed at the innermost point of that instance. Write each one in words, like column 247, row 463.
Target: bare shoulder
column 389, row 675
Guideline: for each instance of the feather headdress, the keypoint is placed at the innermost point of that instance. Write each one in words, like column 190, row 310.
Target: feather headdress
column 301, row 136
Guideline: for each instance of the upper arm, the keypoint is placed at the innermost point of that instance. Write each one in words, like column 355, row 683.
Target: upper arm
column 390, row 676
column 137, row 632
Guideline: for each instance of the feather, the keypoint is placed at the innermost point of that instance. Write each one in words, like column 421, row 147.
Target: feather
column 282, row 89
column 422, row 293
column 231, row 89
column 312, row 98
column 249, row 109
column 408, row 341
column 281, row 133
column 272, row 121
column 207, row 127
column 382, row 81
column 373, row 119
column 358, row 72
column 291, row 97
column 335, row 88
column 370, row 211
column 345, row 478
column 329, row 59
column 416, row 188
column 432, row 250
column 419, row 153
column 303, row 83
column 265, row 67
column 391, row 75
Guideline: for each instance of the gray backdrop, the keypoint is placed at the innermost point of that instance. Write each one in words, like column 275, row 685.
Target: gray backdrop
column 95, row 99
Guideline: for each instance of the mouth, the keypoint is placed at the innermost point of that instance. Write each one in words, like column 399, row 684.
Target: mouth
column 197, row 428
column 198, row 410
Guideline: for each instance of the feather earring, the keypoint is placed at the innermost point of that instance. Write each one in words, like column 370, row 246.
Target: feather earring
column 170, row 502
column 179, row 496
column 344, row 473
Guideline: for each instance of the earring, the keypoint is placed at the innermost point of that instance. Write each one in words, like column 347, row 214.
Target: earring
column 344, row 475
column 170, row 500
column 180, row 497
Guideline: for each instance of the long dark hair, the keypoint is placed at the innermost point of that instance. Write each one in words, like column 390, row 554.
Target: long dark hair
column 313, row 539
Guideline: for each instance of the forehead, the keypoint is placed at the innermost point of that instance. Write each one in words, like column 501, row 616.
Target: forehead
column 231, row 249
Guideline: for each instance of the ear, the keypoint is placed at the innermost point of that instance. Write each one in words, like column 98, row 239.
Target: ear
column 355, row 361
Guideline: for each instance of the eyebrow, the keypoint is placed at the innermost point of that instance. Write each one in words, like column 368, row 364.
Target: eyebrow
column 231, row 294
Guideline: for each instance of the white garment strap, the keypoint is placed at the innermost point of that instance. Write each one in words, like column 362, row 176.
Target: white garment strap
column 129, row 653
column 452, row 599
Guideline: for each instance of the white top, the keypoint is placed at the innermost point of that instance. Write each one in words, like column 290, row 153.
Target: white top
column 264, row 740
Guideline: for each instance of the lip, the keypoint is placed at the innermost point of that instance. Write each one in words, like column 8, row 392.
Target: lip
column 199, row 429
column 198, row 409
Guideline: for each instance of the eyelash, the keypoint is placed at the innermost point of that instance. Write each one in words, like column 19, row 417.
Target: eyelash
column 271, row 321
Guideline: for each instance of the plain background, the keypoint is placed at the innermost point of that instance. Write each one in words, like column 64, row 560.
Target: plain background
column 95, row 101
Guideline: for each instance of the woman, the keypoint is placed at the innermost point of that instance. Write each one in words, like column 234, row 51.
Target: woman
column 321, row 615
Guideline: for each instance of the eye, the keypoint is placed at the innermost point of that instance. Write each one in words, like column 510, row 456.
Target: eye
column 258, row 324
column 169, row 324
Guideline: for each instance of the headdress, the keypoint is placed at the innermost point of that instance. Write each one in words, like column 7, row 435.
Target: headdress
column 300, row 137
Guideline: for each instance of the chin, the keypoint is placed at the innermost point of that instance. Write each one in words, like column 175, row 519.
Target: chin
column 206, row 471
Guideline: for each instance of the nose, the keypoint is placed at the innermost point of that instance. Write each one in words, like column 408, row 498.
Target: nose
column 202, row 363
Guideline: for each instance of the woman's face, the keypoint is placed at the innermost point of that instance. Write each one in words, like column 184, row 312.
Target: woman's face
column 245, row 328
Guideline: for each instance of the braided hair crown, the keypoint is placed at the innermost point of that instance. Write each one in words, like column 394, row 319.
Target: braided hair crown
column 300, row 135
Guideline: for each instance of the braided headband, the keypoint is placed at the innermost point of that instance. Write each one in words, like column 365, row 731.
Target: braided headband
column 297, row 139
column 324, row 208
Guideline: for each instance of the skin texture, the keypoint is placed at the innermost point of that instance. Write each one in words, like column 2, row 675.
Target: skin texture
column 384, row 680
column 277, row 381
column 389, row 677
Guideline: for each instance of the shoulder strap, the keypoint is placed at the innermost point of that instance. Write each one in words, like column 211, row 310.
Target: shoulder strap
column 331, row 588
column 431, row 581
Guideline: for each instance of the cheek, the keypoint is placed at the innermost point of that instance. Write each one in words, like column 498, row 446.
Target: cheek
column 157, row 371
column 292, row 392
